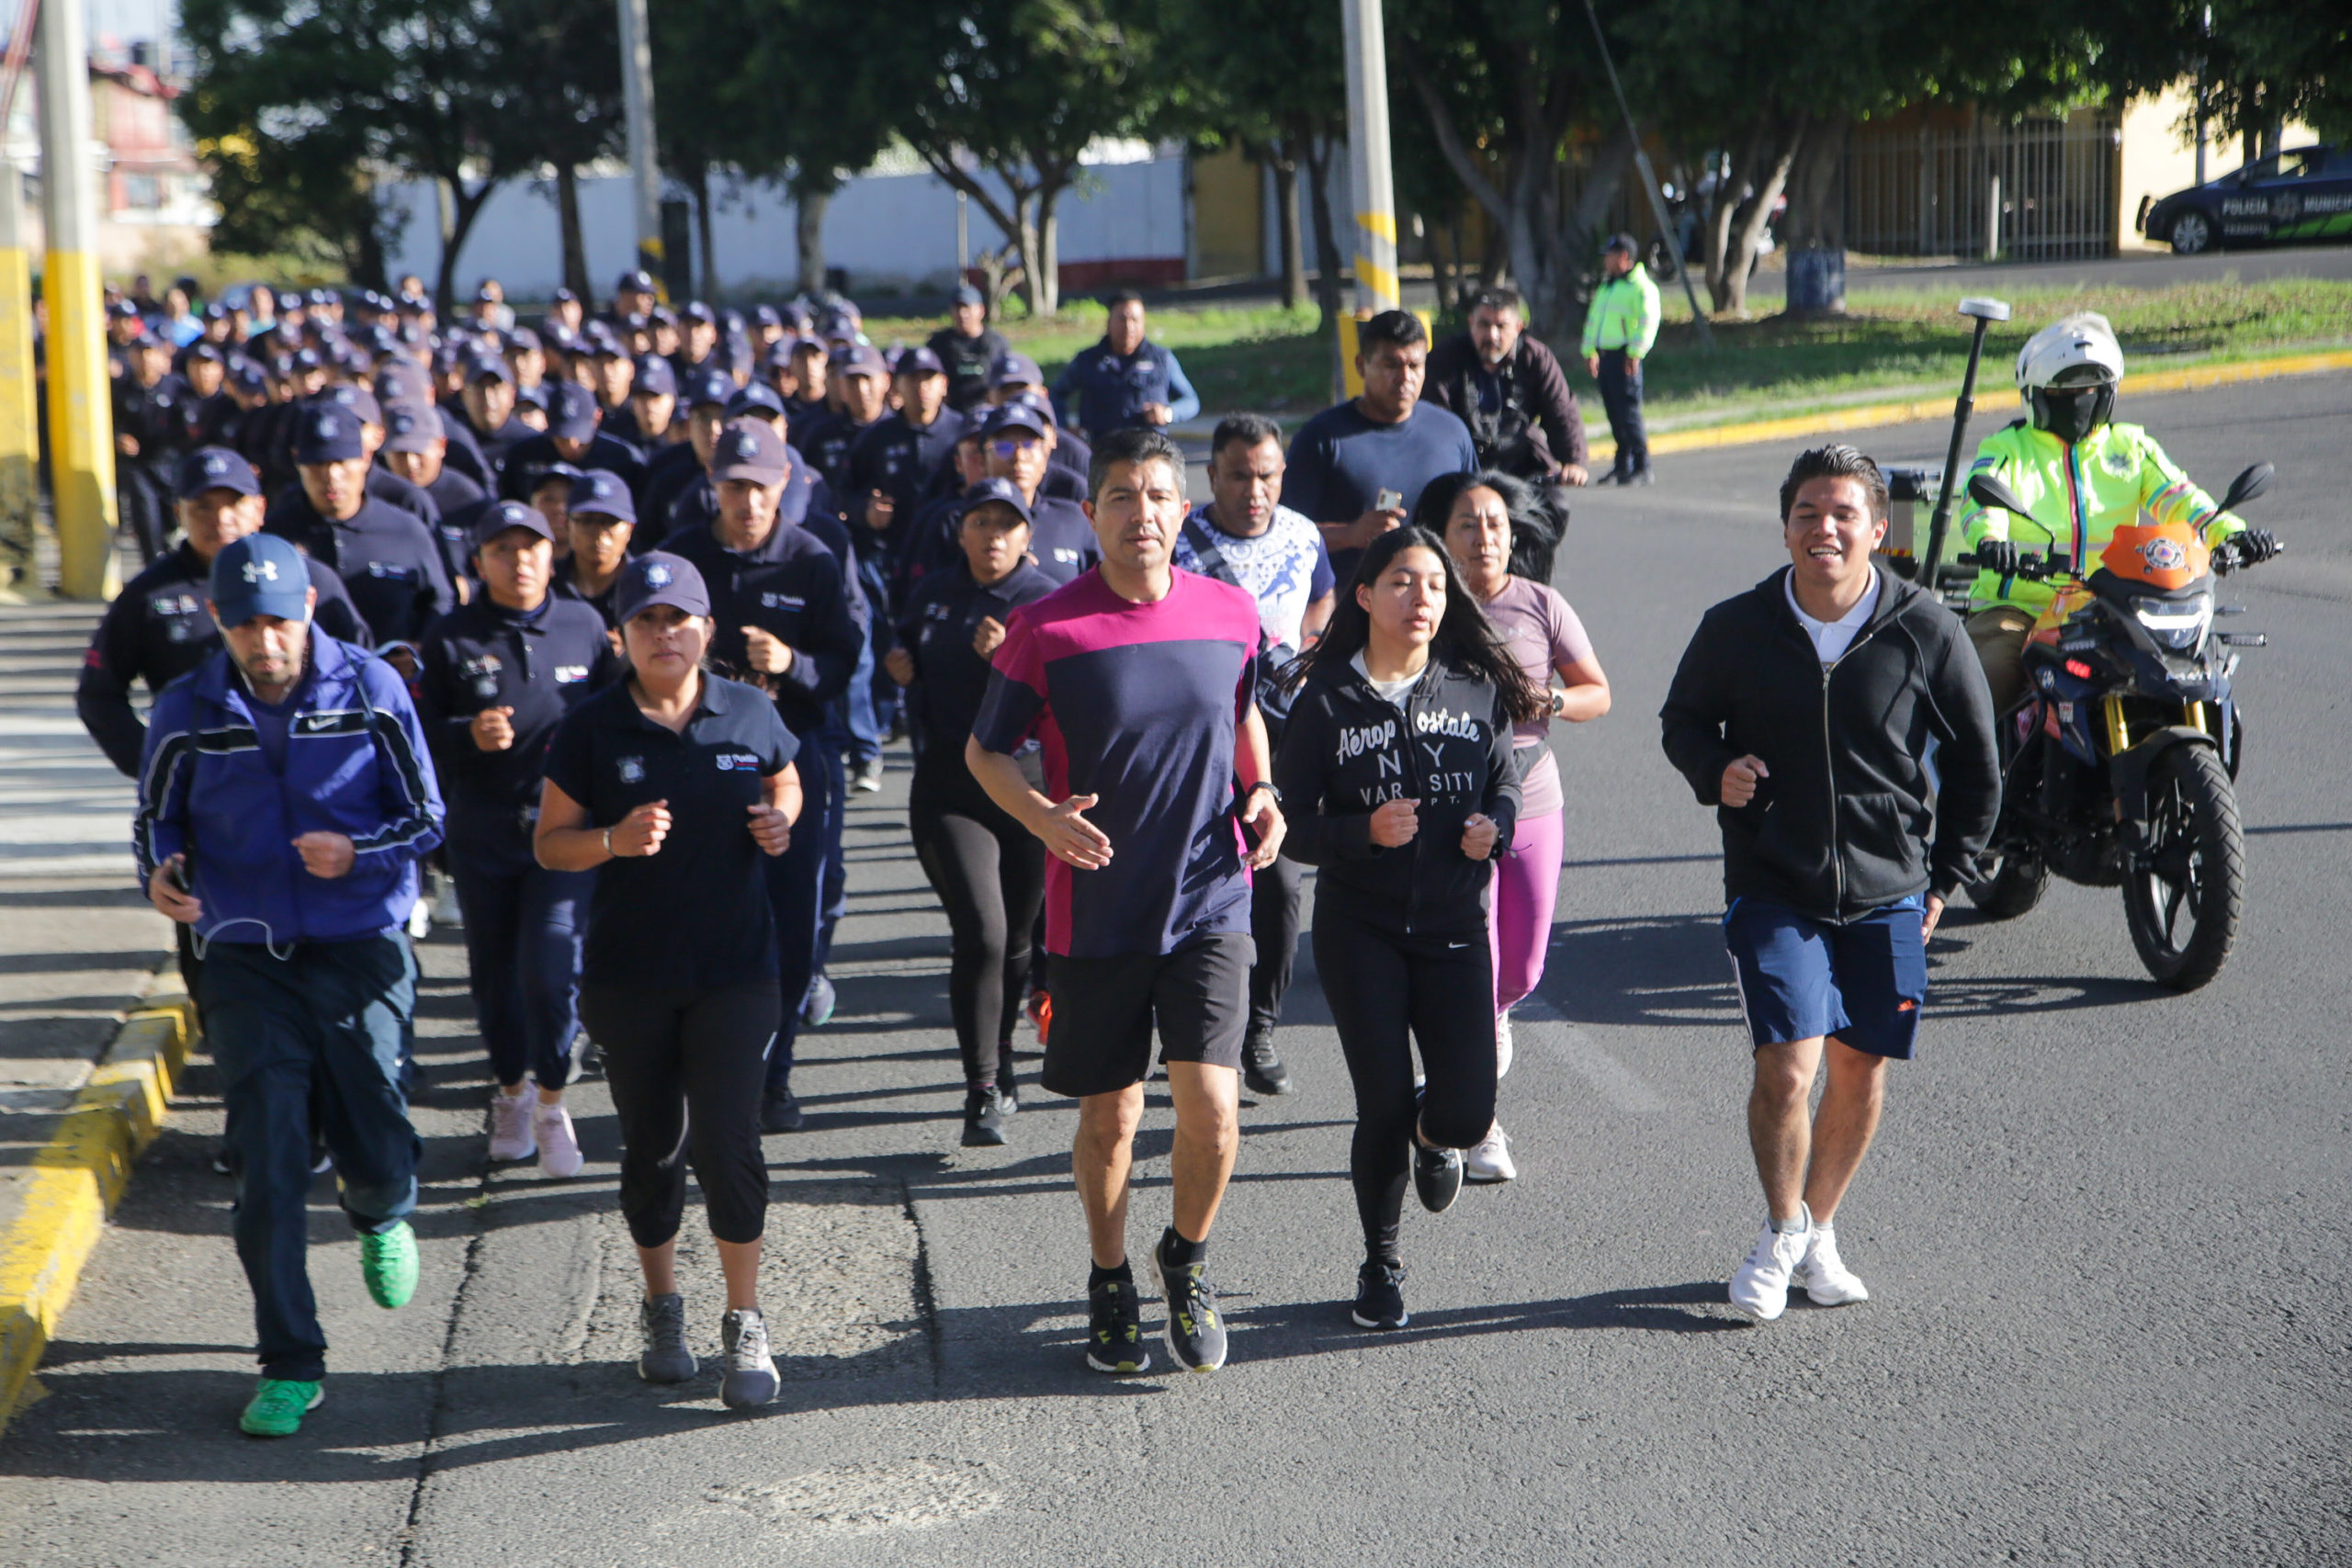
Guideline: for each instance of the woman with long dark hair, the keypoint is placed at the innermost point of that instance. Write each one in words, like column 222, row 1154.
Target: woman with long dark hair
column 1484, row 519
column 1398, row 767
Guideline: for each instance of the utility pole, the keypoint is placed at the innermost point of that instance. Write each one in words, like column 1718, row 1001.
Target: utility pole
column 644, row 162
column 81, row 410
column 20, row 409
column 1374, row 191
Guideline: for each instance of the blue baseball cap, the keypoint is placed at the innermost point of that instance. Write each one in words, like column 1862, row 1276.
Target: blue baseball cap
column 215, row 467
column 658, row 578
column 997, row 493
column 968, row 295
column 412, row 427
column 709, row 387
column 757, row 395
column 328, row 433
column 1015, row 415
column 917, row 361
column 655, row 377
column 600, row 491
column 260, row 574
column 572, row 412
column 1015, row 370
column 747, row 449
column 497, row 518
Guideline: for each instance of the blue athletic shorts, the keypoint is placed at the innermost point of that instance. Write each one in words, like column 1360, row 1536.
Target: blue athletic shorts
column 1799, row 978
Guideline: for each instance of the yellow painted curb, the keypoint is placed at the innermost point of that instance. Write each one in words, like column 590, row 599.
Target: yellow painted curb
column 77, row 1177
column 1909, row 411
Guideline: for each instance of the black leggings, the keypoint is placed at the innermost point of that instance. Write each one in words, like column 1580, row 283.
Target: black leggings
column 686, row 1069
column 989, row 873
column 1383, row 986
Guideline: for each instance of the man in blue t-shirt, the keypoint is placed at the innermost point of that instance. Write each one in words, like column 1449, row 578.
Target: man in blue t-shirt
column 1358, row 469
column 1139, row 680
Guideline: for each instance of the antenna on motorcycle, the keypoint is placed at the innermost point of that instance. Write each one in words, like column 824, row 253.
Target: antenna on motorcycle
column 1992, row 490
column 2248, row 485
column 1984, row 311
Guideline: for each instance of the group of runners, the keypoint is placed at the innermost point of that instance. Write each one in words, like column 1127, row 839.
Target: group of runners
column 625, row 684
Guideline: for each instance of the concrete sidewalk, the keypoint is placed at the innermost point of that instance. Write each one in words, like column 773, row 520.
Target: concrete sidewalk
column 78, row 948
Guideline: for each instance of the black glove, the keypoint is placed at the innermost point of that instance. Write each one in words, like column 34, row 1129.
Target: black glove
column 2256, row 544
column 1997, row 556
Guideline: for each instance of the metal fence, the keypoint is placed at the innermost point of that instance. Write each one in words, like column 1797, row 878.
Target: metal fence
column 2036, row 188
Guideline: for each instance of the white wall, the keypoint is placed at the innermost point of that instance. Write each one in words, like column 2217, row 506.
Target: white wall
column 889, row 231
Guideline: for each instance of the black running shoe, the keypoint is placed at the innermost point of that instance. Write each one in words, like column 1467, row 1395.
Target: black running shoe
column 780, row 1111
column 1195, row 1328
column 1008, row 1088
column 1437, row 1176
column 983, row 1118
column 1114, row 1328
column 1263, row 1072
column 1380, row 1296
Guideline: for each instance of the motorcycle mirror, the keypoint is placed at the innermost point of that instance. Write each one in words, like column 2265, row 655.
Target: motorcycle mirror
column 2253, row 482
column 1984, row 309
column 1990, row 490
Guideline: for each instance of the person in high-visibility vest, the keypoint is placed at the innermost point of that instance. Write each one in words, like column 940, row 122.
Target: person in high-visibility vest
column 1620, row 326
column 2082, row 476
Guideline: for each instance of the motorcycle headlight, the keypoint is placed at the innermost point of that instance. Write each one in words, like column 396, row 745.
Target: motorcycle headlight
column 2179, row 624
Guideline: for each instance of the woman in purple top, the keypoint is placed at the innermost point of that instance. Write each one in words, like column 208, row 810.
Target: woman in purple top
column 1474, row 514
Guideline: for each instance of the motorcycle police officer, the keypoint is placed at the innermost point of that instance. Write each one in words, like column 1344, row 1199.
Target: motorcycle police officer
column 2084, row 476
column 499, row 674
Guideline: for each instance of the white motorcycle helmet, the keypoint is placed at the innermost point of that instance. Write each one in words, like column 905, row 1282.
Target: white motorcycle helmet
column 2067, row 374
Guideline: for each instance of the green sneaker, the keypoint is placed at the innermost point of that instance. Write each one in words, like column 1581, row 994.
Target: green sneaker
column 388, row 1261
column 277, row 1407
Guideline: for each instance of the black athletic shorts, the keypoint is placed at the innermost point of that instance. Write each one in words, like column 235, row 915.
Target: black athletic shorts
column 1104, row 1010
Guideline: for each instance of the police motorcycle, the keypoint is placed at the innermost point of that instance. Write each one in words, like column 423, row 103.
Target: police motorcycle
column 2119, row 766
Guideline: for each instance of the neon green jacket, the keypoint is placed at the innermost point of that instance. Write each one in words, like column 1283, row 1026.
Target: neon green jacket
column 2079, row 497
column 1623, row 314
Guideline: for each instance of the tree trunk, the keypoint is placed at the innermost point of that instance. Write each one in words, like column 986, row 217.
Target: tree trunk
column 575, row 248
column 1729, row 187
column 1283, row 162
column 1569, row 282
column 457, row 214
column 1759, row 214
column 1051, row 183
column 1327, row 240
column 1445, row 263
column 1817, row 208
column 809, row 236
column 703, row 226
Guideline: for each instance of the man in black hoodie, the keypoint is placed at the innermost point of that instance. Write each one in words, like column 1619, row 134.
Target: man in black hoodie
column 1804, row 711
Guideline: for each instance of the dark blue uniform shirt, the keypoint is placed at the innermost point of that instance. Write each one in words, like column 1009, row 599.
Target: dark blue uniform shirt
column 792, row 587
column 390, row 561
column 695, row 914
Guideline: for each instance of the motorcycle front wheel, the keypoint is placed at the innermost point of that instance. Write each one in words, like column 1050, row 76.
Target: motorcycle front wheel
column 2183, row 896
column 2011, row 886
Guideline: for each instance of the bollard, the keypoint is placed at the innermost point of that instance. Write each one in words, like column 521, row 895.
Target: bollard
column 19, row 393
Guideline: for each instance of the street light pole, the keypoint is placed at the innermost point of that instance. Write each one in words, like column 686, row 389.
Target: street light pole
column 1373, row 190
column 81, row 410
column 636, row 109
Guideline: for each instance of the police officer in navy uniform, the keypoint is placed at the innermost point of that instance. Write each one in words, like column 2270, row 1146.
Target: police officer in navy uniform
column 416, row 448
column 392, row 563
column 892, row 462
column 965, row 348
column 151, row 415
column 156, row 630
column 486, row 408
column 384, row 483
column 786, row 620
column 1126, row 380
column 603, row 522
column 862, row 382
column 703, row 399
column 573, row 436
column 498, row 675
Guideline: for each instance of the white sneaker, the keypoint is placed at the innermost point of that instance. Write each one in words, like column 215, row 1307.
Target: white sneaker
column 1488, row 1160
column 1502, row 1044
column 559, row 1144
column 1824, row 1275
column 1760, row 1287
column 510, row 1125
column 445, row 907
column 420, row 920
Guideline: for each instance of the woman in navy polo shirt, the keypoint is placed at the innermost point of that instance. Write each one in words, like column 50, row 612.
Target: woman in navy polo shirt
column 674, row 782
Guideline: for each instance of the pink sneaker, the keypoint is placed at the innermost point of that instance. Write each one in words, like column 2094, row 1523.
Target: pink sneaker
column 510, row 1125
column 559, row 1144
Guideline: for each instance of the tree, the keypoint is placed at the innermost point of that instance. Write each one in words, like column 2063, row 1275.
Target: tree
column 1267, row 74
column 564, row 60
column 1504, row 84
column 421, row 87
column 1006, row 97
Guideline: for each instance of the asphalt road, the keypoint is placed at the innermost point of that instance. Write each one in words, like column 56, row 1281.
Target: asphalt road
column 2104, row 1228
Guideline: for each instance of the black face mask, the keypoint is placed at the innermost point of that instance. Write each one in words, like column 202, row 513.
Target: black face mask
column 2073, row 413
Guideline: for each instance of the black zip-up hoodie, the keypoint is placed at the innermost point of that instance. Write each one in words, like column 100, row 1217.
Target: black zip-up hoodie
column 1346, row 749
column 1843, row 824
